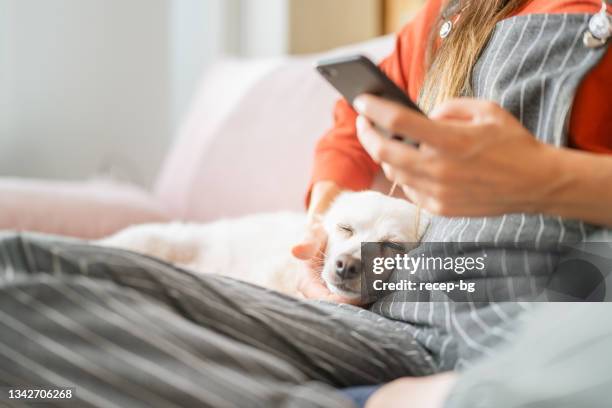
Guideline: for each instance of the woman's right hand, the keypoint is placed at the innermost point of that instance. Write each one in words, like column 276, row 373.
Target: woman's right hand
column 312, row 252
column 312, row 248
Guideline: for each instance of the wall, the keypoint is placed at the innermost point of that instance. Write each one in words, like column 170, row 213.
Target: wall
column 277, row 27
column 6, row 70
column 263, row 27
column 98, row 87
column 201, row 31
column 317, row 25
column 399, row 12
column 88, row 85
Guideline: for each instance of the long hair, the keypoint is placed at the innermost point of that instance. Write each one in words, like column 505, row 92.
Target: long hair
column 450, row 62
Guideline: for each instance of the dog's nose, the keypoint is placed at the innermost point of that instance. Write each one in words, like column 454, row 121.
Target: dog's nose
column 347, row 267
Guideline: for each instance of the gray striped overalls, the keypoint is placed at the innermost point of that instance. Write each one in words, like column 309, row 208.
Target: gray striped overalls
column 532, row 67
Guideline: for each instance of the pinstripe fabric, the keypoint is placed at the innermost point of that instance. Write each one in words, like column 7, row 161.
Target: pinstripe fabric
column 128, row 330
column 532, row 67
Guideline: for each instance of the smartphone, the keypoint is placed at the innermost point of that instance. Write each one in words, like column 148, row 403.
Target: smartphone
column 357, row 75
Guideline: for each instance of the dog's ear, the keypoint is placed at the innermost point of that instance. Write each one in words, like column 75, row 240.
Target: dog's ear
column 305, row 251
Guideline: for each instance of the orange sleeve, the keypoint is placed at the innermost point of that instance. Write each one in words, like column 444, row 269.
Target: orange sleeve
column 591, row 120
column 560, row 6
column 339, row 156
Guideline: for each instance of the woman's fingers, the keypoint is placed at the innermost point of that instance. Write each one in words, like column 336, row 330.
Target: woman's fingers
column 384, row 150
column 305, row 251
column 404, row 121
column 312, row 246
column 403, row 163
column 475, row 158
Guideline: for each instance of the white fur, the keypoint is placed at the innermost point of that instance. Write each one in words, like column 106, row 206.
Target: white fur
column 257, row 249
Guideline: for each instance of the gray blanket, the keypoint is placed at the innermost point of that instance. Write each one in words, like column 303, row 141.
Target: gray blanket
column 125, row 330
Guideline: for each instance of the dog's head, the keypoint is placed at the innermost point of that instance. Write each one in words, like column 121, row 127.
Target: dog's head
column 355, row 218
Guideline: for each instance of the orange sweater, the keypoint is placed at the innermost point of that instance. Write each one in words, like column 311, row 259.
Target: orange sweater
column 340, row 158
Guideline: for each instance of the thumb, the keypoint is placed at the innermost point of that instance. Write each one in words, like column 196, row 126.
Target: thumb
column 314, row 242
column 305, row 251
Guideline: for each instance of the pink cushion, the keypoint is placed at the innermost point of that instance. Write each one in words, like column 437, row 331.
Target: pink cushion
column 84, row 210
column 248, row 141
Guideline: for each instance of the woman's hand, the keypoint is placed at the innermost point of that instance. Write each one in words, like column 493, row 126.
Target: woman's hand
column 312, row 249
column 475, row 158
column 422, row 392
column 312, row 252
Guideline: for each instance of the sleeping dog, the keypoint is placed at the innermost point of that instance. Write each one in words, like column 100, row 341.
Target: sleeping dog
column 257, row 249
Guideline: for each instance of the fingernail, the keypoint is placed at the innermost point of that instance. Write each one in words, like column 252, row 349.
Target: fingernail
column 359, row 105
column 360, row 123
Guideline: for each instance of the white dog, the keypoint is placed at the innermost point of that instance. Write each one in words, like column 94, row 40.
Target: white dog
column 257, row 249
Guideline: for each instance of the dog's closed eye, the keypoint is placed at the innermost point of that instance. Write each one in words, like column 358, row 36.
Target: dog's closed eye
column 346, row 229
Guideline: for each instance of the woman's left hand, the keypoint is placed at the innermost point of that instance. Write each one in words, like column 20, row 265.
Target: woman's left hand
column 475, row 158
column 422, row 392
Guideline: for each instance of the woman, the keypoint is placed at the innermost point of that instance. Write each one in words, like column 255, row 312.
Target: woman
column 469, row 167
column 129, row 330
column 476, row 160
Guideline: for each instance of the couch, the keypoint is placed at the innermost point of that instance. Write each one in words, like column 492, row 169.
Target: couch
column 245, row 146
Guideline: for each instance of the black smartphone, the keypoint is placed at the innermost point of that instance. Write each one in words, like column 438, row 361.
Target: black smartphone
column 357, row 75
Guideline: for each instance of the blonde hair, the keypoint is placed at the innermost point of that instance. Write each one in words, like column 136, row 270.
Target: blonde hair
column 450, row 62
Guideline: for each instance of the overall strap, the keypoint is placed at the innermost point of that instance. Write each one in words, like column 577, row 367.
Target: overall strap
column 533, row 66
